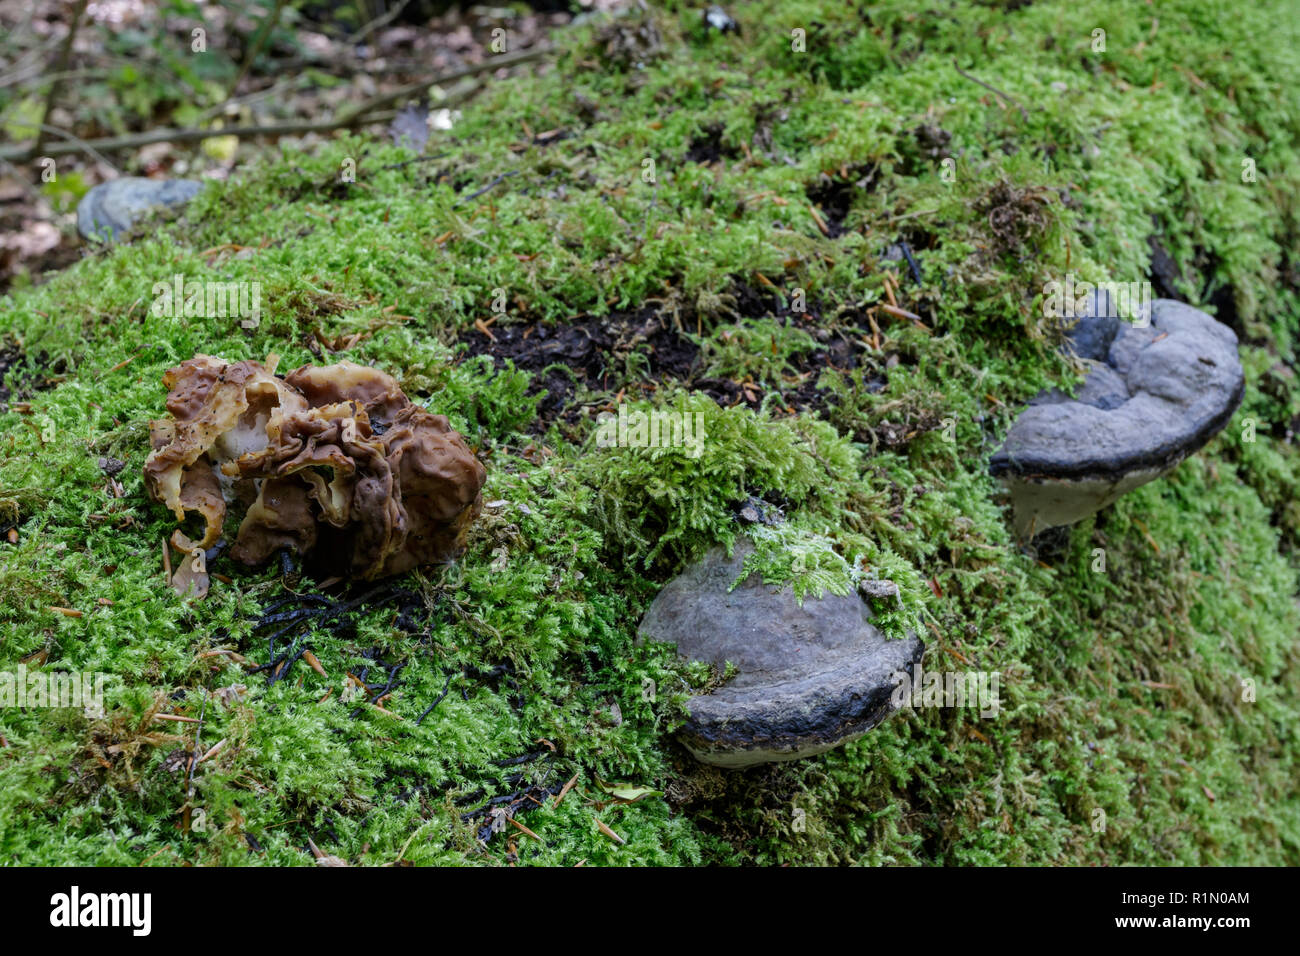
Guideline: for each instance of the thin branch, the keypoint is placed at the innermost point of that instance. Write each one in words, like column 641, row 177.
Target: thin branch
column 365, row 113
column 60, row 68
column 419, row 159
column 31, row 57
column 479, row 192
column 198, row 733
column 276, row 88
column 254, row 48
column 33, row 193
column 35, row 73
column 114, row 143
column 20, row 29
column 993, row 89
column 496, row 62
column 912, row 215
column 81, row 143
column 381, row 21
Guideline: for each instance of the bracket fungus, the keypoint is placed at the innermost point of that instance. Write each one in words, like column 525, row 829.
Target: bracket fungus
column 810, row 677
column 1156, row 391
column 333, row 463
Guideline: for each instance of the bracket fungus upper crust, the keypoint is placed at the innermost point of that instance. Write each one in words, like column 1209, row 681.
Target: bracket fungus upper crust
column 811, row 676
column 1156, row 391
column 334, row 463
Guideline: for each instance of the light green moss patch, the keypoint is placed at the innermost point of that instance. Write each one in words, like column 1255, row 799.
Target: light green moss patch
column 1147, row 710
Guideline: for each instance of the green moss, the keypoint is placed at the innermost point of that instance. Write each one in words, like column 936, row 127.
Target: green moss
column 1160, row 691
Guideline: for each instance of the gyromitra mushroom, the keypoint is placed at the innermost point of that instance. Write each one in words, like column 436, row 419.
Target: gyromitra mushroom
column 333, row 463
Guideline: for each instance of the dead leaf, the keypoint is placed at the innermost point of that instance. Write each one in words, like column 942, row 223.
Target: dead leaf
column 626, row 792
column 191, row 578
column 609, row 833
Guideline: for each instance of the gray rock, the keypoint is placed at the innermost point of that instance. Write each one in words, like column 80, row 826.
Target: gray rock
column 1164, row 391
column 809, row 678
column 111, row 208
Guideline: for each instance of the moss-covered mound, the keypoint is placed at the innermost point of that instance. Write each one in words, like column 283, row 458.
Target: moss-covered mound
column 832, row 246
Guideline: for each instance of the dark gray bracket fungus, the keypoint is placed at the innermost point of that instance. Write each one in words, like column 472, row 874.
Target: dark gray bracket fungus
column 112, row 208
column 1156, row 391
column 809, row 678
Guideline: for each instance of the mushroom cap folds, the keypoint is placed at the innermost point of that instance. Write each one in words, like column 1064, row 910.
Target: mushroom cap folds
column 335, row 463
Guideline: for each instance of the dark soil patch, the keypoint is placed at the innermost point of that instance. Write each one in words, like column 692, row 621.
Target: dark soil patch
column 838, row 352
column 1170, row 282
column 1221, row 294
column 921, row 152
column 591, row 351
column 1165, row 274
column 833, row 196
column 1050, row 546
column 730, row 804
column 836, row 349
column 9, row 357
column 708, row 147
column 933, row 141
column 22, row 375
column 756, row 302
column 600, row 354
column 1224, row 301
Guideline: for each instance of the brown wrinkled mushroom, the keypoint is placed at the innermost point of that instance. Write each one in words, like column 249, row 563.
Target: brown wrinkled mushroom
column 333, row 462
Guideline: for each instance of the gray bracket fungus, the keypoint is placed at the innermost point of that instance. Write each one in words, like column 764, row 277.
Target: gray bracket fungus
column 1156, row 391
column 112, row 208
column 808, row 678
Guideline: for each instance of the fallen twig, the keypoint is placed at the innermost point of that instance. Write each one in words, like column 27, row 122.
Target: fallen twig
column 912, row 215
column 363, row 34
column 429, row 710
column 364, row 113
column 51, row 96
column 993, row 89
column 496, row 62
column 479, row 192
column 418, row 159
column 911, row 262
column 899, row 312
column 255, row 48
